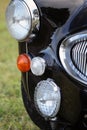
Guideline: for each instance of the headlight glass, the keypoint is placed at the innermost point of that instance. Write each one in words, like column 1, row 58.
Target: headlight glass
column 18, row 19
column 47, row 98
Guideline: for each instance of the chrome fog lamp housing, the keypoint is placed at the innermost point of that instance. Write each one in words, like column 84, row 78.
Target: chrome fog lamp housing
column 22, row 17
column 47, row 98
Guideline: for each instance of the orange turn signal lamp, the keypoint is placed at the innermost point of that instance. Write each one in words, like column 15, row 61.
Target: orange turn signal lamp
column 23, row 62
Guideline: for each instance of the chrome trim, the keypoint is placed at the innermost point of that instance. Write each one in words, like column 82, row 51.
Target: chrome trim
column 65, row 55
column 34, row 14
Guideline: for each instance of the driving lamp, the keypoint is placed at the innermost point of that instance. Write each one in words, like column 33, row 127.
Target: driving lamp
column 22, row 17
column 47, row 98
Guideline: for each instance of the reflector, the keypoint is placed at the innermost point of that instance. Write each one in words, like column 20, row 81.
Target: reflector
column 23, row 62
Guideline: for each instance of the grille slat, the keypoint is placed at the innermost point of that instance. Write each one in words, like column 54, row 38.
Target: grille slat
column 79, row 56
column 82, row 52
column 81, row 59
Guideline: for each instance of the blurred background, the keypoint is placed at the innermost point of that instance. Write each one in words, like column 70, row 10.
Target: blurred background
column 12, row 112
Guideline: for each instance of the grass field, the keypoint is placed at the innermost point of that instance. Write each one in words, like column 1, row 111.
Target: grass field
column 12, row 112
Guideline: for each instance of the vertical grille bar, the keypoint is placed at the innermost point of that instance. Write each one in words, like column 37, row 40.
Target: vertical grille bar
column 79, row 56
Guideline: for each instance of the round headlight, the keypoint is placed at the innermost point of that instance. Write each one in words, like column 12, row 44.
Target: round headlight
column 47, row 98
column 19, row 18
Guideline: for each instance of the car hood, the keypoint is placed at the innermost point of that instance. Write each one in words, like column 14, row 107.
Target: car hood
column 59, row 4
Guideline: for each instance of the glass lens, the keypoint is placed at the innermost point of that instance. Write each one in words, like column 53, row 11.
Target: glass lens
column 38, row 66
column 47, row 98
column 18, row 19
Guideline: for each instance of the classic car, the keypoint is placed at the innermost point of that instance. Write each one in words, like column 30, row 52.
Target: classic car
column 52, row 41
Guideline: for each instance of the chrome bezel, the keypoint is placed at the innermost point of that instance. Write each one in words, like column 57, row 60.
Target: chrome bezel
column 35, row 16
column 65, row 56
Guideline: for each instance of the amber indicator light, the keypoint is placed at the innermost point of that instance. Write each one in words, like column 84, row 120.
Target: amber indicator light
column 23, row 62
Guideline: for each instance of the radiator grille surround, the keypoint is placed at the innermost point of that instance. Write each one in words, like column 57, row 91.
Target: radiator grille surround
column 73, row 56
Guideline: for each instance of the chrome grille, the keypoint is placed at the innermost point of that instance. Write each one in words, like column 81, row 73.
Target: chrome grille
column 73, row 56
column 79, row 56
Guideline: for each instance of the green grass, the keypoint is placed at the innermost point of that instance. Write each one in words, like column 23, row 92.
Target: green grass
column 12, row 112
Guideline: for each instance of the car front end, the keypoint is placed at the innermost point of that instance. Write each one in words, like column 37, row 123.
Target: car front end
column 52, row 41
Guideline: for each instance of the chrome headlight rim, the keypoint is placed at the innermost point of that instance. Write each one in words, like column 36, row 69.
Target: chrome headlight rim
column 57, row 106
column 34, row 10
column 65, row 56
column 33, row 16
